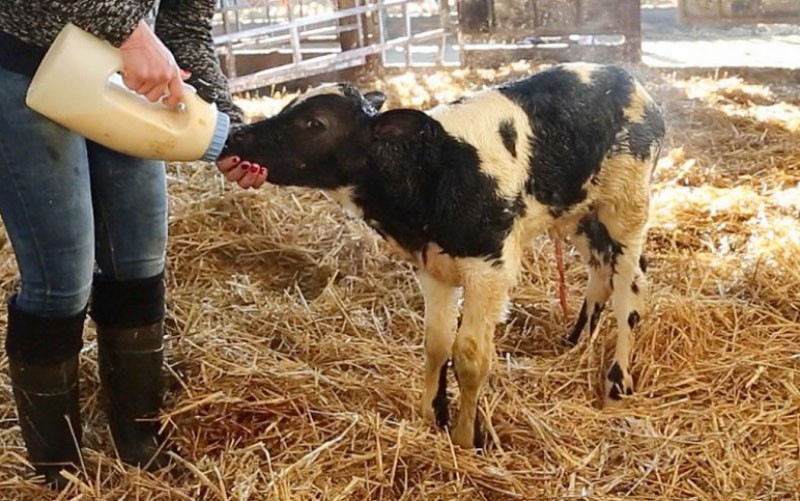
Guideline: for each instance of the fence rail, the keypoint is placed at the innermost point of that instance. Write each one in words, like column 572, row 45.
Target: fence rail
column 305, row 46
column 267, row 42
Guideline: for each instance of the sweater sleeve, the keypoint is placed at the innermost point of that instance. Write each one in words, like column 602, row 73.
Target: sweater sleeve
column 185, row 28
column 111, row 20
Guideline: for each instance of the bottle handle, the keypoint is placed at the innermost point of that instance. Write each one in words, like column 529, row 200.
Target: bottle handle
column 183, row 106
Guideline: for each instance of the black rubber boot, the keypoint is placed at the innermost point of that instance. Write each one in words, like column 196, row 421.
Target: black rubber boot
column 43, row 366
column 130, row 323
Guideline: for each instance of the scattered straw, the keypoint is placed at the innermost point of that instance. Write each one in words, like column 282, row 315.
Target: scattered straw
column 295, row 344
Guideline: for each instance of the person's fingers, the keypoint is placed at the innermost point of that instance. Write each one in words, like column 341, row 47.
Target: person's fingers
column 156, row 93
column 148, row 66
column 249, row 178
column 238, row 172
column 175, row 92
column 185, row 75
column 132, row 80
column 226, row 164
column 261, row 178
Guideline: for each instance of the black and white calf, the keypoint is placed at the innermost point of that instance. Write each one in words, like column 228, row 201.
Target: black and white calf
column 462, row 189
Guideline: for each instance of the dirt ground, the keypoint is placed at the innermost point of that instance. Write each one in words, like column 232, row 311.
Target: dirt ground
column 295, row 343
column 667, row 42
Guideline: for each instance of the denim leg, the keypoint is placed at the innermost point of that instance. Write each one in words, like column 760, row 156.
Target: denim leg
column 130, row 207
column 45, row 203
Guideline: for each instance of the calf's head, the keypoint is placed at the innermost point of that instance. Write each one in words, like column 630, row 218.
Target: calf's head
column 324, row 138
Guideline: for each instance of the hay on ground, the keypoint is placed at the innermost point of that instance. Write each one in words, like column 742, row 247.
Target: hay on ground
column 295, row 343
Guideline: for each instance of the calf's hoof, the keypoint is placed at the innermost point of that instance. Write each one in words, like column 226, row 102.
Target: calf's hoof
column 618, row 383
column 468, row 437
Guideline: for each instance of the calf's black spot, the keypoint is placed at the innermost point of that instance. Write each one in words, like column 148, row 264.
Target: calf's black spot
column 440, row 403
column 643, row 135
column 508, row 134
column 634, row 288
column 633, row 319
column 417, row 191
column 600, row 241
column 574, row 128
column 643, row 263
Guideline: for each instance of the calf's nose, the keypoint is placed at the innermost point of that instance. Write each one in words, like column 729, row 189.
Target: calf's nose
column 237, row 137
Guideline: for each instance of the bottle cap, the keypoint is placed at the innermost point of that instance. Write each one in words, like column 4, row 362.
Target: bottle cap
column 221, row 129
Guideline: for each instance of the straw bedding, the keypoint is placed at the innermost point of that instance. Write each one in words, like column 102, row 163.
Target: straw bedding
column 295, row 342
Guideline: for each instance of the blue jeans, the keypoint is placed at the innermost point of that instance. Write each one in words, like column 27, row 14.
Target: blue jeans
column 67, row 202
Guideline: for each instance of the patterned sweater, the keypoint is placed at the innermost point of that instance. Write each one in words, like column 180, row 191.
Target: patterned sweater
column 28, row 27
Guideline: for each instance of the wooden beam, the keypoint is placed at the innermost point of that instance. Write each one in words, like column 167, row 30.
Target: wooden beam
column 348, row 39
column 630, row 16
column 475, row 16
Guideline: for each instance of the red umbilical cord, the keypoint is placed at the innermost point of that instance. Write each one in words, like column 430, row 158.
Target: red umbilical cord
column 562, row 286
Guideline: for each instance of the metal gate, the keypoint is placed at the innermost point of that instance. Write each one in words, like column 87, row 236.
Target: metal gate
column 562, row 25
column 266, row 42
column 739, row 11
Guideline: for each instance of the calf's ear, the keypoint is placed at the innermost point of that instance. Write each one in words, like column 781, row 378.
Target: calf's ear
column 398, row 124
column 376, row 99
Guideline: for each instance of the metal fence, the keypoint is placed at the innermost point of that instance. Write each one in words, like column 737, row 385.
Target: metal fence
column 265, row 42
column 564, row 26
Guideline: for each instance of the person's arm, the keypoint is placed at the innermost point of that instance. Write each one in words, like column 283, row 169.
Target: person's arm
column 148, row 67
column 111, row 20
column 185, row 28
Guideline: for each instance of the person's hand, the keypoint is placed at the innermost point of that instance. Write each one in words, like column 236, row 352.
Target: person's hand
column 149, row 68
column 244, row 173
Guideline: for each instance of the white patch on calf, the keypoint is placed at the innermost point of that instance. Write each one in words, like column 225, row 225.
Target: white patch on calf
column 584, row 71
column 320, row 90
column 637, row 105
column 477, row 121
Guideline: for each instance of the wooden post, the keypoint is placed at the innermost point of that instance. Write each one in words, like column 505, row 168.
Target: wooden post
column 475, row 16
column 630, row 15
column 347, row 39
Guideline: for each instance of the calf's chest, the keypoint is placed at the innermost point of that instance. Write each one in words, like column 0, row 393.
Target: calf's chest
column 432, row 258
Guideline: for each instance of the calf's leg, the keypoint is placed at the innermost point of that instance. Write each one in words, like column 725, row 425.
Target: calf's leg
column 626, row 229
column 441, row 317
column 486, row 287
column 628, row 297
column 598, row 264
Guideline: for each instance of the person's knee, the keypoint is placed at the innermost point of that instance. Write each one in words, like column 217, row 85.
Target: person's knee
column 144, row 267
column 136, row 252
column 64, row 297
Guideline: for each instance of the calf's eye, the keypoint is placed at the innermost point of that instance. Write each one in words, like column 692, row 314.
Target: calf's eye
column 314, row 124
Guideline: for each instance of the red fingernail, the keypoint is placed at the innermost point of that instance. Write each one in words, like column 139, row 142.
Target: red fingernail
column 244, row 165
column 236, row 160
column 263, row 170
column 254, row 169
